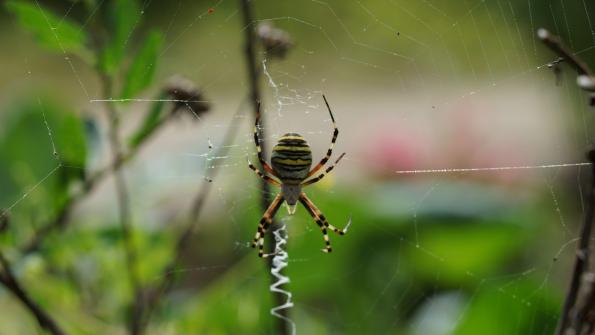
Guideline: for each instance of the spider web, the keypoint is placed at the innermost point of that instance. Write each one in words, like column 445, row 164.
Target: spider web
column 450, row 117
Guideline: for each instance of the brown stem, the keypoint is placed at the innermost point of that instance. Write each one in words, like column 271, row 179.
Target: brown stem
column 571, row 319
column 123, row 202
column 569, row 314
column 281, row 326
column 584, row 309
column 155, row 293
column 8, row 279
column 555, row 44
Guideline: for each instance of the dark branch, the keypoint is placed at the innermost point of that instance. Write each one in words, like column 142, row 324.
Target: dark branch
column 586, row 305
column 155, row 293
column 573, row 319
column 123, row 199
column 281, row 327
column 8, row 279
column 555, row 44
column 570, row 316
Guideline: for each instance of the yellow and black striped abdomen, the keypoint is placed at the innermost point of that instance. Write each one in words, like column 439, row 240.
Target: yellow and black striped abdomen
column 292, row 158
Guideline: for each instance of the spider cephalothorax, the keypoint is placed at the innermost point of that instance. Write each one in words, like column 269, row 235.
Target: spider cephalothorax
column 291, row 161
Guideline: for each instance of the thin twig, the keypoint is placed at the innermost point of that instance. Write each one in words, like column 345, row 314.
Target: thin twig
column 155, row 293
column 8, row 279
column 123, row 202
column 571, row 320
column 281, row 326
column 570, row 315
column 555, row 44
column 255, row 96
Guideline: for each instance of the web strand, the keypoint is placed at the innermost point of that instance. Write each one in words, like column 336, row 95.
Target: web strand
column 144, row 100
column 340, row 37
column 497, row 168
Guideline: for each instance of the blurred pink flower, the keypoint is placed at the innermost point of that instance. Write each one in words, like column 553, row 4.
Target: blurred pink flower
column 393, row 149
column 460, row 139
column 472, row 146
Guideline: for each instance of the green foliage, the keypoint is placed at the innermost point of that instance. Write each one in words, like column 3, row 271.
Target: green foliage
column 378, row 264
column 123, row 17
column 69, row 137
column 477, row 247
column 29, row 157
column 501, row 307
column 142, row 70
column 83, row 268
column 150, row 122
column 55, row 33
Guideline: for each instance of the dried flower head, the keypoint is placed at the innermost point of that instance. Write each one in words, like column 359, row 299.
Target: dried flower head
column 186, row 96
column 276, row 42
column 586, row 82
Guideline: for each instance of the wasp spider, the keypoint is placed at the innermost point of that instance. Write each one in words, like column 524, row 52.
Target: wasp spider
column 291, row 161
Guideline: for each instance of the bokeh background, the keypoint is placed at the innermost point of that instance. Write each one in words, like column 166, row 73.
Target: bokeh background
column 424, row 85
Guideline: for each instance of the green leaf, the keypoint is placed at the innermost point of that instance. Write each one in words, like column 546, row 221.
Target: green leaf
column 35, row 129
column 142, row 70
column 513, row 306
column 53, row 32
column 123, row 16
column 150, row 123
column 479, row 247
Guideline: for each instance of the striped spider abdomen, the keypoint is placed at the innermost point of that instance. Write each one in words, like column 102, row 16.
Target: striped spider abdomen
column 292, row 159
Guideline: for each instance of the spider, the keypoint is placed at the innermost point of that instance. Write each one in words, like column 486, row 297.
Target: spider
column 291, row 161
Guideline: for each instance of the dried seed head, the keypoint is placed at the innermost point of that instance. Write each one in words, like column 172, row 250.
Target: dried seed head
column 543, row 33
column 275, row 41
column 186, row 96
column 586, row 82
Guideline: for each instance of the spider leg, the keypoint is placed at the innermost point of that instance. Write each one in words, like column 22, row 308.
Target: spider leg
column 330, row 150
column 263, row 176
column 264, row 164
column 320, row 176
column 322, row 222
column 327, row 242
column 265, row 222
column 310, row 204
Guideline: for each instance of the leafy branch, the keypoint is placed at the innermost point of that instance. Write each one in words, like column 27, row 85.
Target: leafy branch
column 153, row 122
column 103, row 43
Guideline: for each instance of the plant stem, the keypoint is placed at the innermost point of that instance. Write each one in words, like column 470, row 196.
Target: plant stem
column 123, row 202
column 281, row 326
column 572, row 318
column 581, row 264
column 156, row 292
column 8, row 279
column 555, row 44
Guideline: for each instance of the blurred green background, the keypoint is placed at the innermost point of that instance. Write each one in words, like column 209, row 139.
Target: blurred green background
column 413, row 86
